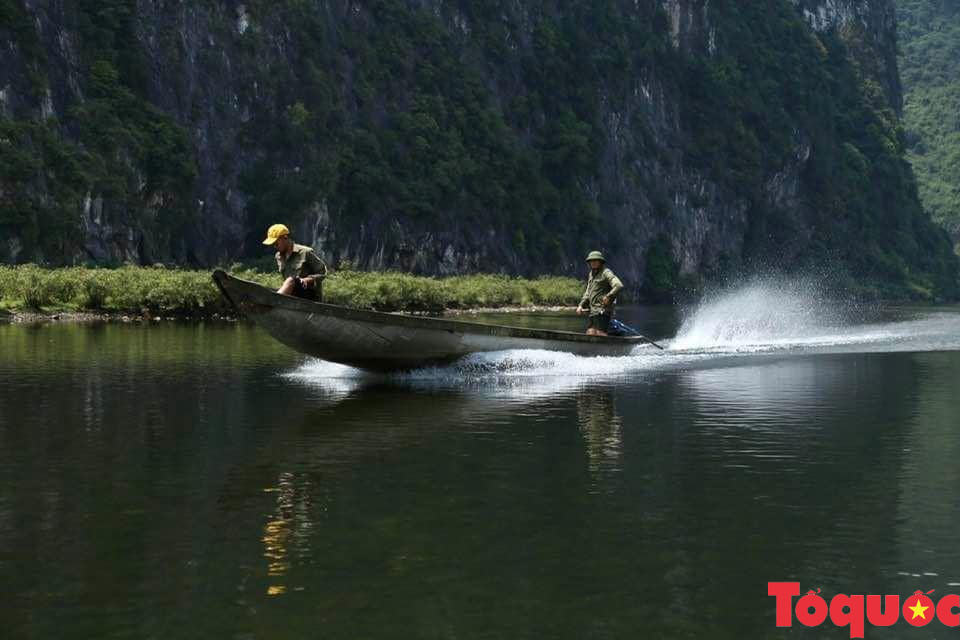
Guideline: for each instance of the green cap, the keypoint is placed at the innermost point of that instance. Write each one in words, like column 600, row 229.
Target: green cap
column 595, row 255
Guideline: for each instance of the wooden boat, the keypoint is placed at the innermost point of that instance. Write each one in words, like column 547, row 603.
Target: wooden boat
column 390, row 342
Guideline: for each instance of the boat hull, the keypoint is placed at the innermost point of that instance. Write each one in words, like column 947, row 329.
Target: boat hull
column 391, row 342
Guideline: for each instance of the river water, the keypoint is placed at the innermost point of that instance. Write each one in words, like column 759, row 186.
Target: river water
column 202, row 481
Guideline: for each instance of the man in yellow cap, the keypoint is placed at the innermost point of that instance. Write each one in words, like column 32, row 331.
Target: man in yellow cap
column 600, row 295
column 302, row 270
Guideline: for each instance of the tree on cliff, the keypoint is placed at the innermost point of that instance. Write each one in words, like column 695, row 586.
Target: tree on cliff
column 930, row 62
column 685, row 138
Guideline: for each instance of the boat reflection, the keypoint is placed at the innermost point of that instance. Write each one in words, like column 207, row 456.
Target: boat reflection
column 355, row 425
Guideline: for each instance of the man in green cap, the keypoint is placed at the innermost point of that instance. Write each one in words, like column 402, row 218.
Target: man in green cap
column 302, row 270
column 600, row 296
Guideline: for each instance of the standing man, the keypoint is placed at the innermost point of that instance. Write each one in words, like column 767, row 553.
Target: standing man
column 302, row 270
column 600, row 296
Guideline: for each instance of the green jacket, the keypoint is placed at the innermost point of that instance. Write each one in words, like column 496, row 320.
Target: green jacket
column 600, row 284
column 301, row 262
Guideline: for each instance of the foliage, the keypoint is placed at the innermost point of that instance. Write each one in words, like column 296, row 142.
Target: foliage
column 419, row 132
column 775, row 87
column 17, row 25
column 181, row 292
column 114, row 144
column 479, row 120
column 42, row 182
column 436, row 127
column 930, row 62
column 663, row 273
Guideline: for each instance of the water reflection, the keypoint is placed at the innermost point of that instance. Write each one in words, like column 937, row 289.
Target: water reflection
column 288, row 530
column 602, row 429
column 928, row 492
column 200, row 493
column 801, row 458
column 784, row 389
column 277, row 533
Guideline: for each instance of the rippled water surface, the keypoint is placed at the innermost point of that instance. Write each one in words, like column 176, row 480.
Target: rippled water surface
column 202, row 481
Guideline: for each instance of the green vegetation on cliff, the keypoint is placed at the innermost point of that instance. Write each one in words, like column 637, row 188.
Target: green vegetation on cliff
column 113, row 151
column 516, row 132
column 775, row 90
column 407, row 119
column 930, row 65
column 429, row 139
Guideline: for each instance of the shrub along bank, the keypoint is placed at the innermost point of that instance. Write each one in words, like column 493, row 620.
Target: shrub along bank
column 161, row 291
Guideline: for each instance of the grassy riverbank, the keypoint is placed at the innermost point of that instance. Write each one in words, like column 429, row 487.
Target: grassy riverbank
column 177, row 292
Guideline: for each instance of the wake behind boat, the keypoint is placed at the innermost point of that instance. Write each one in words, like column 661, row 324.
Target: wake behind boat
column 391, row 342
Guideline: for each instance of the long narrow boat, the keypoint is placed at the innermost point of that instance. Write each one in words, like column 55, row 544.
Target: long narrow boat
column 391, row 342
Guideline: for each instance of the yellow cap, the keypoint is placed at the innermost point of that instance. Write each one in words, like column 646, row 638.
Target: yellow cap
column 275, row 232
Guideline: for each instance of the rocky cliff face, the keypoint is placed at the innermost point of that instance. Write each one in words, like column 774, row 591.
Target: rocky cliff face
column 871, row 27
column 451, row 136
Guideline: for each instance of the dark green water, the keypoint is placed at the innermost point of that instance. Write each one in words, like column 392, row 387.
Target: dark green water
column 202, row 481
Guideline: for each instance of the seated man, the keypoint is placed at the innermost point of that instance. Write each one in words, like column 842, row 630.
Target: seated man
column 302, row 270
column 600, row 296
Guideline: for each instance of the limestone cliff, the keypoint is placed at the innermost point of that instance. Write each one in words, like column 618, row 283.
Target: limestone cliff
column 444, row 137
